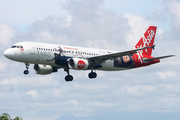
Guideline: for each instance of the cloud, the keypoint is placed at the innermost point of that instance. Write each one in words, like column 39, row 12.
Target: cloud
column 61, row 91
column 33, row 93
column 7, row 33
column 87, row 24
column 174, row 8
column 22, row 16
column 74, row 102
column 165, row 75
column 98, row 104
column 3, row 66
column 138, row 26
column 81, row 27
column 173, row 11
column 136, row 90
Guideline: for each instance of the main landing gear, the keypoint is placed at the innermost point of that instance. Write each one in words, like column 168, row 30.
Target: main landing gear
column 92, row 74
column 69, row 77
column 27, row 67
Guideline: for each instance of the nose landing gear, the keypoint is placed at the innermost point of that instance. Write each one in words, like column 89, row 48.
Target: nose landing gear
column 27, row 67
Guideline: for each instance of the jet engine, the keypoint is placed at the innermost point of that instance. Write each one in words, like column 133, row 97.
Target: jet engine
column 44, row 69
column 78, row 64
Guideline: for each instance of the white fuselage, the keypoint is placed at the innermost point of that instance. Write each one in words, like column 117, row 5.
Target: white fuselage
column 40, row 53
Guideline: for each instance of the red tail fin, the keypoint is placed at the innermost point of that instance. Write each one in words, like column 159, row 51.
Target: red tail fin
column 147, row 40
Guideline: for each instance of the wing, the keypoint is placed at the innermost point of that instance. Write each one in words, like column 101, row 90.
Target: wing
column 102, row 58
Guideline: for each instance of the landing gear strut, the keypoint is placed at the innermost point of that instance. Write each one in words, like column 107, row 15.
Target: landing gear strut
column 27, row 67
column 92, row 74
column 68, row 77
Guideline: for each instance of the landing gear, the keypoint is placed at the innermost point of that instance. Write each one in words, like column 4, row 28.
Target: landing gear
column 26, row 72
column 68, row 78
column 27, row 67
column 92, row 74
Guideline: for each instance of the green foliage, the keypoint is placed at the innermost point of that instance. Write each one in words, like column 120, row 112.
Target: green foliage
column 6, row 116
column 17, row 118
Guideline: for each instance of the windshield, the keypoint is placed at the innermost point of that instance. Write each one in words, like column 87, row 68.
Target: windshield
column 17, row 46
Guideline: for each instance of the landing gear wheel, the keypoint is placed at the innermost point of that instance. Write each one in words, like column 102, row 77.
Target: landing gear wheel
column 26, row 72
column 69, row 78
column 27, row 67
column 92, row 75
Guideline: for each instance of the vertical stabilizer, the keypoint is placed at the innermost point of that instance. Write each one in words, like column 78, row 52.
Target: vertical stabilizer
column 147, row 40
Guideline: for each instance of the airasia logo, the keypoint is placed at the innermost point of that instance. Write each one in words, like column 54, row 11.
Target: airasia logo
column 81, row 64
column 146, row 42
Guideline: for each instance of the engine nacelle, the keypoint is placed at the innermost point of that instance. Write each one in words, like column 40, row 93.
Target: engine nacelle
column 44, row 69
column 78, row 64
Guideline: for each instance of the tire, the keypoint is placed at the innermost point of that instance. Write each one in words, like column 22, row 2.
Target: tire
column 92, row 75
column 69, row 78
column 26, row 72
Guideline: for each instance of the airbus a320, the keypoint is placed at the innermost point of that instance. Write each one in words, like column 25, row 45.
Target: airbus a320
column 48, row 58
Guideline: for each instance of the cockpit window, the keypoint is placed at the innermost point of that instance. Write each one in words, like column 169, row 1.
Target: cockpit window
column 13, row 47
column 17, row 46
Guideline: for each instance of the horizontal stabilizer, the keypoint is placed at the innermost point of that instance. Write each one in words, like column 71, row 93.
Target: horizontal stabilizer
column 150, row 59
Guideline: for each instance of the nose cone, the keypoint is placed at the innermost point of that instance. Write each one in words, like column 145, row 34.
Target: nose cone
column 8, row 53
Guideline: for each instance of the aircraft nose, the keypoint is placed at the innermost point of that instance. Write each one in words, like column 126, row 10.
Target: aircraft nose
column 8, row 53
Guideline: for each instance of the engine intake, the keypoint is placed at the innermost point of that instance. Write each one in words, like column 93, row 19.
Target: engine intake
column 44, row 69
column 78, row 64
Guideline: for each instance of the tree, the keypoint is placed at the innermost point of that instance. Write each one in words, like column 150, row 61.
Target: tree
column 18, row 118
column 5, row 116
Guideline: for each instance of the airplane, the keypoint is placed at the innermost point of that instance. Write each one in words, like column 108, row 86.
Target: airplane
column 48, row 58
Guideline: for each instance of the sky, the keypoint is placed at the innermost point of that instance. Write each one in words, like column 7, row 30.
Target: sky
column 151, row 92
